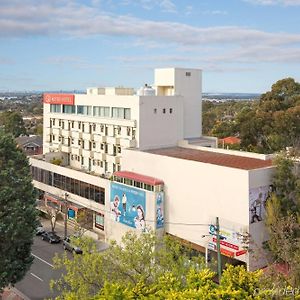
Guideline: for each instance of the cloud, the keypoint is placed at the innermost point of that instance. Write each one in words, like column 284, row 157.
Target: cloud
column 18, row 18
column 164, row 5
column 219, row 44
column 73, row 61
column 275, row 2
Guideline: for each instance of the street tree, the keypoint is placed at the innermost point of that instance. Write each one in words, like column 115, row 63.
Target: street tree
column 145, row 267
column 18, row 216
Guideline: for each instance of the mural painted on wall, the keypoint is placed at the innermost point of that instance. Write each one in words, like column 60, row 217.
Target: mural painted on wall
column 160, row 210
column 128, row 206
column 258, row 198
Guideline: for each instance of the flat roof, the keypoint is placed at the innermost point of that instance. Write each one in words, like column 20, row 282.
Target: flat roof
column 138, row 177
column 220, row 159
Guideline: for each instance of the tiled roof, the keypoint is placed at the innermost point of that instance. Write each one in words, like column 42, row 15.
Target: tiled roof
column 36, row 139
column 230, row 140
column 139, row 177
column 226, row 160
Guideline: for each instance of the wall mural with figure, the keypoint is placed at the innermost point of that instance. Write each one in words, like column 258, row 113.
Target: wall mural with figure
column 258, row 198
column 128, row 206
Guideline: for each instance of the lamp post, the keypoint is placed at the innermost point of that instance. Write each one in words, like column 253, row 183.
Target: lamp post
column 215, row 230
column 66, row 214
column 218, row 249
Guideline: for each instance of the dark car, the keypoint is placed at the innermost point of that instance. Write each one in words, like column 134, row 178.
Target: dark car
column 50, row 237
column 69, row 245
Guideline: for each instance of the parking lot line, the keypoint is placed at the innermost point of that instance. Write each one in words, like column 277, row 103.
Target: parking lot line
column 37, row 277
column 42, row 260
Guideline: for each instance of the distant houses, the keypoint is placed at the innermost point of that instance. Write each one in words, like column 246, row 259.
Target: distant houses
column 32, row 145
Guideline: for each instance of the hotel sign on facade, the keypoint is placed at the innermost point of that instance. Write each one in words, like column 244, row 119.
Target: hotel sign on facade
column 67, row 99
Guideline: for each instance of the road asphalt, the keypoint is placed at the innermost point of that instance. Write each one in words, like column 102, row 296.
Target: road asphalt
column 35, row 285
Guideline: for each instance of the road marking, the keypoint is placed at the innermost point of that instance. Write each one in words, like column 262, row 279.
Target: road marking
column 37, row 277
column 42, row 260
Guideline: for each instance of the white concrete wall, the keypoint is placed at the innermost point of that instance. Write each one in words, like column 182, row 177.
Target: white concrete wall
column 190, row 87
column 160, row 129
column 195, row 192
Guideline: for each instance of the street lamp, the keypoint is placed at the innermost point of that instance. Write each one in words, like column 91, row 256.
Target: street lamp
column 66, row 214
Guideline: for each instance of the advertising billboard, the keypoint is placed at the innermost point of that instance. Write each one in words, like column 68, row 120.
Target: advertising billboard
column 128, row 205
column 258, row 198
column 160, row 210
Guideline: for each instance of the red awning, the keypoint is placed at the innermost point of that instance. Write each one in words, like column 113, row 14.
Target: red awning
column 139, row 177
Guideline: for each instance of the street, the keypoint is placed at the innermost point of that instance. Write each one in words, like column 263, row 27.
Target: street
column 35, row 285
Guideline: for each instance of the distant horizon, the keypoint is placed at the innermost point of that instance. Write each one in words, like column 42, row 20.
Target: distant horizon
column 82, row 91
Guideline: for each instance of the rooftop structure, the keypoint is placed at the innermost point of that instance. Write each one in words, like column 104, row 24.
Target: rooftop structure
column 215, row 158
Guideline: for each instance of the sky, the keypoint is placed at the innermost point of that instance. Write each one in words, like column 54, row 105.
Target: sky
column 240, row 45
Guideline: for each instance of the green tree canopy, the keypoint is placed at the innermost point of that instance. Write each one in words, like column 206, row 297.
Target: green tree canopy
column 283, row 219
column 12, row 122
column 145, row 267
column 17, row 212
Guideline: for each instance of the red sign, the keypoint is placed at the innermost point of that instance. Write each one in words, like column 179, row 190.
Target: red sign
column 241, row 252
column 229, row 245
column 227, row 252
column 67, row 99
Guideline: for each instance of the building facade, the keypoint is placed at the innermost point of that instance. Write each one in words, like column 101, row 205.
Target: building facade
column 134, row 161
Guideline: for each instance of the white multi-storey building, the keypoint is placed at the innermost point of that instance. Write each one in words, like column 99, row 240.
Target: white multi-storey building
column 94, row 128
column 134, row 161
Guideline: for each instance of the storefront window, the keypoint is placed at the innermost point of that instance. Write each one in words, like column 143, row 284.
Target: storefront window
column 99, row 221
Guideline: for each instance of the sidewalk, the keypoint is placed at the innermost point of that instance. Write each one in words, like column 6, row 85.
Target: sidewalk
column 12, row 294
column 60, row 230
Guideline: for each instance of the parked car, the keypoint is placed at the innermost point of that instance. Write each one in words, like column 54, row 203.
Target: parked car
column 39, row 230
column 69, row 245
column 50, row 237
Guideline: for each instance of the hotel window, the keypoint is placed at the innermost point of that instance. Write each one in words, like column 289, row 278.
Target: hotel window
column 84, row 110
column 164, row 111
column 79, row 125
column 121, row 113
column 94, row 145
column 188, row 74
column 72, row 124
column 128, row 131
column 155, row 110
column 59, row 123
column 55, row 108
column 69, row 109
column 171, row 110
column 101, row 111
column 101, row 127
column 127, row 113
column 99, row 221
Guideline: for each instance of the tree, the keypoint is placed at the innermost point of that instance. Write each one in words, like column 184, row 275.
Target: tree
column 13, row 123
column 145, row 267
column 18, row 216
column 274, row 124
column 53, row 213
column 283, row 220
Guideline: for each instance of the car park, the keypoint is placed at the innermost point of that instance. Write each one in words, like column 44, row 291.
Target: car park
column 50, row 237
column 68, row 244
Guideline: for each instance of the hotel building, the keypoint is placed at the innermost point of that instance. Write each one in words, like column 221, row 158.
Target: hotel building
column 139, row 160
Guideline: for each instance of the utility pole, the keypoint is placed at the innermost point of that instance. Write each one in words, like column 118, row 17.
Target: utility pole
column 66, row 214
column 218, row 249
